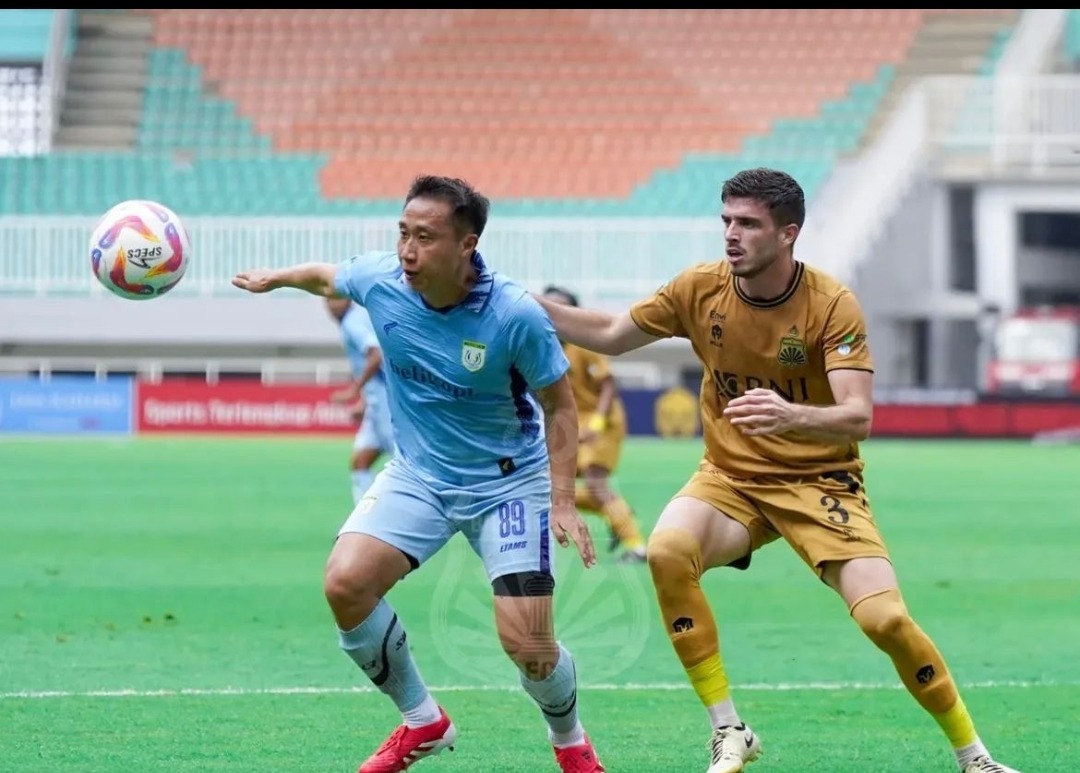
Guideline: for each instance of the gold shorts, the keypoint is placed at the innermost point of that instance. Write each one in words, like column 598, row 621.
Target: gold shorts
column 823, row 518
column 602, row 452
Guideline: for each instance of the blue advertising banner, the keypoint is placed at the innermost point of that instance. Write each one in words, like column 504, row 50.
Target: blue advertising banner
column 66, row 405
column 670, row 412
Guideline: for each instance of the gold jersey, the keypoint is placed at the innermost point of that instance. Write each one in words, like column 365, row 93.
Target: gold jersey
column 787, row 344
column 588, row 371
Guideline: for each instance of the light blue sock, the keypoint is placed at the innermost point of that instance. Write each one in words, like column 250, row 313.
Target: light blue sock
column 361, row 482
column 557, row 698
column 379, row 647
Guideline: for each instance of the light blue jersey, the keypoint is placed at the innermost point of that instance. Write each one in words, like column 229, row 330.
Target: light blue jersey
column 358, row 336
column 459, row 379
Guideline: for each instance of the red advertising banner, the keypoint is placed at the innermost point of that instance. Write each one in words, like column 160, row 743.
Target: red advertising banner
column 1005, row 419
column 239, row 407
column 249, row 406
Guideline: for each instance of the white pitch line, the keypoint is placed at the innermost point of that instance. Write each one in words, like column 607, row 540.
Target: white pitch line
column 199, row 692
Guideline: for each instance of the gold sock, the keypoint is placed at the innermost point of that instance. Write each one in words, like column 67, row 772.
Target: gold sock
column 675, row 562
column 623, row 523
column 709, row 681
column 957, row 725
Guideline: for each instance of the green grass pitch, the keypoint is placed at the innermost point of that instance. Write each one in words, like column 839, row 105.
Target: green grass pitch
column 161, row 611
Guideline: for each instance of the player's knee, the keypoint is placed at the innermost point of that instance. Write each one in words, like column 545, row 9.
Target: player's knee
column 883, row 617
column 674, row 556
column 353, row 582
column 343, row 586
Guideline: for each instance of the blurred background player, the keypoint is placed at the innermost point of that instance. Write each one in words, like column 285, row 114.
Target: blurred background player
column 781, row 462
column 366, row 394
column 601, row 432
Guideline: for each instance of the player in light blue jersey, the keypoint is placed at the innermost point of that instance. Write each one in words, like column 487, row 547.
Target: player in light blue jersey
column 485, row 430
column 366, row 393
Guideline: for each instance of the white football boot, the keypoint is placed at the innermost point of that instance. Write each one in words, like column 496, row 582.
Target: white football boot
column 986, row 765
column 734, row 747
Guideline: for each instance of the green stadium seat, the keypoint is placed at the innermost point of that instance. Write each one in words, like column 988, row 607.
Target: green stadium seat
column 1070, row 40
column 200, row 152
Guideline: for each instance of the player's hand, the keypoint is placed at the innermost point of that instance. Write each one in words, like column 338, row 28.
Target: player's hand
column 761, row 412
column 357, row 409
column 347, row 395
column 590, row 432
column 257, row 281
column 567, row 526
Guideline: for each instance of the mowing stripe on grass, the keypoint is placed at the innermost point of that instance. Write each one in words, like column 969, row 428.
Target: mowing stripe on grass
column 201, row 692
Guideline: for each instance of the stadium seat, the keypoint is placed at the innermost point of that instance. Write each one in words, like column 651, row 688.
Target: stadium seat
column 24, row 34
column 553, row 112
column 1070, row 41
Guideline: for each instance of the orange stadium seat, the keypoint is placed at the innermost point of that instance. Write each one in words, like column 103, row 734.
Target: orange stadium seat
column 582, row 102
column 558, row 111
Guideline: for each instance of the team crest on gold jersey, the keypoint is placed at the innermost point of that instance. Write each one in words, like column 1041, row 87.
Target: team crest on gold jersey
column 792, row 352
column 473, row 355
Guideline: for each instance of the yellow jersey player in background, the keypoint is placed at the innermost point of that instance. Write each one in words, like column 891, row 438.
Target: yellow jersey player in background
column 786, row 396
column 602, row 430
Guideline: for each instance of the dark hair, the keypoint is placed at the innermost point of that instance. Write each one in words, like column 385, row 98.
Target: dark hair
column 468, row 208
column 569, row 296
column 775, row 189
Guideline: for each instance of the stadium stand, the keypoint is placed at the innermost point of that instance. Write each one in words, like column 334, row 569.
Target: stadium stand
column 1070, row 41
column 553, row 112
column 24, row 34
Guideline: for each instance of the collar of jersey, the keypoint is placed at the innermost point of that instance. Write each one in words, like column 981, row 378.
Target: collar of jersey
column 481, row 291
column 769, row 303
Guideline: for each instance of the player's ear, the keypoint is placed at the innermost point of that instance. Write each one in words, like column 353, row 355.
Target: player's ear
column 469, row 243
column 788, row 234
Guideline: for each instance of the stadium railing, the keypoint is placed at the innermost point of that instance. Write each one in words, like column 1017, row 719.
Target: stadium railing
column 605, row 260
column 644, row 374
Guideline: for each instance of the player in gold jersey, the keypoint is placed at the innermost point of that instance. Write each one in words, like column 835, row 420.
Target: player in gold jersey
column 600, row 437
column 786, row 396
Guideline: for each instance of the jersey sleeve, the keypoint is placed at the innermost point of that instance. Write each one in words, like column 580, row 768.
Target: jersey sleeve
column 661, row 314
column 844, row 341
column 356, row 276
column 535, row 349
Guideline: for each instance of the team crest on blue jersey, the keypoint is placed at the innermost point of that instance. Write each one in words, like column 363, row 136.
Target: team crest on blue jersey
column 473, row 355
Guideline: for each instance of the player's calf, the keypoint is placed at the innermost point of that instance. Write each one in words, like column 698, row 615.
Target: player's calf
column 524, row 619
column 884, row 618
column 360, row 571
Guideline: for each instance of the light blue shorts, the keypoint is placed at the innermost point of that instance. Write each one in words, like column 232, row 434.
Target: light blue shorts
column 376, row 431
column 504, row 520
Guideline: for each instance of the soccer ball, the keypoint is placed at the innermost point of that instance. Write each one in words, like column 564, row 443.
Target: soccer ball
column 139, row 249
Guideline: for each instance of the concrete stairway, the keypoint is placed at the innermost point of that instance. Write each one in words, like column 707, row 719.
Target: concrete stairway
column 103, row 100
column 946, row 45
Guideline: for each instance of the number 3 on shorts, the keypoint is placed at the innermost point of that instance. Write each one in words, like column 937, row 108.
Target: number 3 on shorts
column 837, row 513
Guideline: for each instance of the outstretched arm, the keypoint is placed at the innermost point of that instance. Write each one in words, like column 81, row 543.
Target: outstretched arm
column 596, row 330
column 315, row 278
